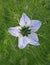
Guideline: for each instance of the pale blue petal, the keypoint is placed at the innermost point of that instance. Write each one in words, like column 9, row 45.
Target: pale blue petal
column 22, row 42
column 14, row 31
column 35, row 25
column 34, row 39
column 24, row 21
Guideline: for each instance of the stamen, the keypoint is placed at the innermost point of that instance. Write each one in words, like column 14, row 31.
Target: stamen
column 25, row 31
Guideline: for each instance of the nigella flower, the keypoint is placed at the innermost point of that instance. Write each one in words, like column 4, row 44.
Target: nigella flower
column 26, row 32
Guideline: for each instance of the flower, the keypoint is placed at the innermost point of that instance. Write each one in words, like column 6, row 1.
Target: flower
column 26, row 32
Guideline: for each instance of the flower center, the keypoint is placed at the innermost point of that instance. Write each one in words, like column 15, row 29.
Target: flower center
column 25, row 31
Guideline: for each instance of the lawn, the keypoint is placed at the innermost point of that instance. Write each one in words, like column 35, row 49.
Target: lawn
column 10, row 14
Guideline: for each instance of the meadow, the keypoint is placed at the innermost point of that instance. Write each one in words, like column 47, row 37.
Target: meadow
column 10, row 14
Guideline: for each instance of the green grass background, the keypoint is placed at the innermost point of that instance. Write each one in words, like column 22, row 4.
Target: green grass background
column 10, row 14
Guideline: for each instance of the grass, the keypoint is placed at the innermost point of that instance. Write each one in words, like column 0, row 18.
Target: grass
column 10, row 13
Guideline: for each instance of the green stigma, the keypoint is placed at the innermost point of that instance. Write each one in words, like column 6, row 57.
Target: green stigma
column 25, row 31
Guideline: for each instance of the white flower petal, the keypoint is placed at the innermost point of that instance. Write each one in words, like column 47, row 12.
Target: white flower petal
column 35, row 25
column 24, row 21
column 23, row 41
column 34, row 39
column 14, row 31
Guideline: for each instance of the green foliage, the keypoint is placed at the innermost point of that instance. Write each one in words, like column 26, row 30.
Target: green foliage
column 10, row 13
